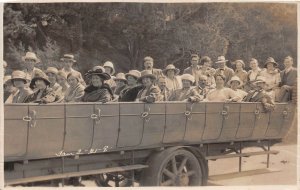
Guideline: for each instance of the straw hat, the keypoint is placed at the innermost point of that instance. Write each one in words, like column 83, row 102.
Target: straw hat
column 188, row 77
column 52, row 70
column 235, row 78
column 221, row 59
column 120, row 76
column 134, row 73
column 98, row 72
column 110, row 65
column 68, row 57
column 171, row 67
column 17, row 74
column 270, row 60
column 31, row 55
column 40, row 76
column 239, row 61
column 146, row 73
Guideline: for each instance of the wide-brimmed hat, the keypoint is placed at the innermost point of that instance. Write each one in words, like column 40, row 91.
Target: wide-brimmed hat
column 134, row 73
column 146, row 73
column 39, row 76
column 188, row 77
column 17, row 74
column 68, row 57
column 235, row 78
column 120, row 76
column 271, row 60
column 98, row 72
column 31, row 55
column 110, row 65
column 260, row 79
column 171, row 67
column 51, row 70
column 239, row 61
column 221, row 59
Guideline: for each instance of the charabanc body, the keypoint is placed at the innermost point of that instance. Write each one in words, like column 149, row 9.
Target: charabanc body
column 164, row 143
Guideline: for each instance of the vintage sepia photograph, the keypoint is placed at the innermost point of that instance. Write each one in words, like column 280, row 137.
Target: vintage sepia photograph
column 136, row 94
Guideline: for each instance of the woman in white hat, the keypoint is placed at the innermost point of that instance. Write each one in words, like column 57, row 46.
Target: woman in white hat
column 30, row 60
column 76, row 90
column 186, row 93
column 239, row 70
column 129, row 93
column 43, row 94
column 121, row 83
column 173, row 81
column 98, row 90
column 9, row 90
column 149, row 93
column 110, row 69
column 272, row 77
column 19, row 80
column 235, row 84
column 68, row 60
column 51, row 72
column 222, row 93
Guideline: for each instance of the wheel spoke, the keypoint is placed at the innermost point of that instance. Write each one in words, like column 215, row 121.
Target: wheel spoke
column 182, row 164
column 167, row 183
column 169, row 174
column 174, row 165
column 189, row 173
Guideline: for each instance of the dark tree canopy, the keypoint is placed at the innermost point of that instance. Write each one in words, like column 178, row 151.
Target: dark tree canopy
column 126, row 32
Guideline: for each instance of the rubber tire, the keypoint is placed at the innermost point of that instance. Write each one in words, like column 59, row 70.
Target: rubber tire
column 151, row 175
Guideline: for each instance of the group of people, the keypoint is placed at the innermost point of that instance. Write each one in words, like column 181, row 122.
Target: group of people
column 199, row 82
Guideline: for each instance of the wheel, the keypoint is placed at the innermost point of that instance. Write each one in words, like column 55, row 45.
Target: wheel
column 113, row 179
column 176, row 168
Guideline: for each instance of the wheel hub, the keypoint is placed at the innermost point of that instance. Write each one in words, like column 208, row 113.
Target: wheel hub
column 181, row 180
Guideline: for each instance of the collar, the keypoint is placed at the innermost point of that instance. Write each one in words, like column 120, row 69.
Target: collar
column 288, row 70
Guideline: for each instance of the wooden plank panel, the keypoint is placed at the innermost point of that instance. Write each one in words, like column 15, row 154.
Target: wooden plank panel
column 131, row 124
column 106, row 131
column 214, row 119
column 195, row 125
column 290, row 121
column 154, row 125
column 175, row 123
column 46, row 138
column 277, row 121
column 15, row 130
column 231, row 123
column 261, row 124
column 247, row 120
column 79, row 127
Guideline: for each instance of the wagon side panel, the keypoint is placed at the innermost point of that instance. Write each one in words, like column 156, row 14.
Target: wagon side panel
column 246, row 121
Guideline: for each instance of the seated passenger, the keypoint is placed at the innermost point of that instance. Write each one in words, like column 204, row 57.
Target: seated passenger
column 164, row 91
column 149, row 93
column 272, row 77
column 97, row 91
column 207, row 70
column 51, row 72
column 235, row 83
column 130, row 92
column 173, row 81
column 9, row 90
column 240, row 72
column 260, row 95
column 19, row 80
column 252, row 75
column 221, row 93
column 203, row 88
column 288, row 81
column 76, row 90
column 110, row 69
column 187, row 93
column 62, row 81
column 30, row 60
column 43, row 94
column 121, row 83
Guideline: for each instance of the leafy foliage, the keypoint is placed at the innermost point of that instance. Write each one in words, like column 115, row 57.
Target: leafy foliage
column 126, row 32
